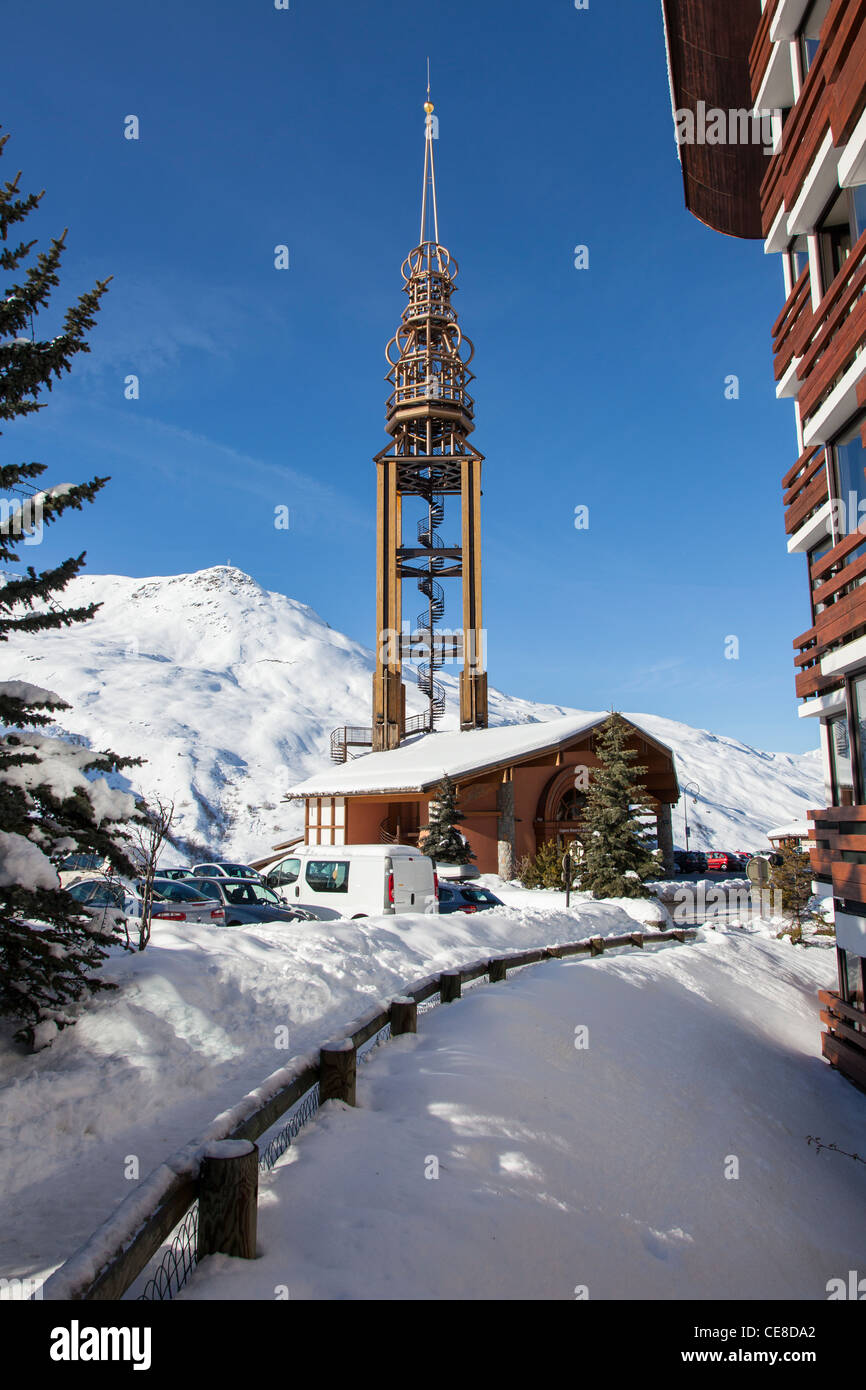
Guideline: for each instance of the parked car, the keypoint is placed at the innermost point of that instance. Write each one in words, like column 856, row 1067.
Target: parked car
column 175, row 873
column 246, row 901
column 690, row 861
column 222, row 869
column 105, row 903
column 722, row 861
column 76, row 866
column 175, row 900
column 357, row 880
column 466, row 897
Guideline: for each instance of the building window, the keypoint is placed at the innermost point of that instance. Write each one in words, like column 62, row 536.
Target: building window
column 835, row 239
column 851, row 977
column 799, row 253
column 810, row 33
column 857, row 197
column 858, row 690
column 841, row 768
column 571, row 806
column 849, row 457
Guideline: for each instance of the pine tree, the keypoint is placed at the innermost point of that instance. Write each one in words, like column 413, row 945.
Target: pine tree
column 52, row 803
column 791, row 878
column 544, row 869
column 441, row 840
column 618, row 855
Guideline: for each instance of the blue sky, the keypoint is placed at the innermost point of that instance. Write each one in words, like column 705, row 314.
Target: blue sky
column 263, row 388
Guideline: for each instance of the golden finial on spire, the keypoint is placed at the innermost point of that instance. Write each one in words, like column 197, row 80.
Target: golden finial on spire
column 428, row 105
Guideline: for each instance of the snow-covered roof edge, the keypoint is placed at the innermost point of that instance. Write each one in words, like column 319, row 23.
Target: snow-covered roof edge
column 341, row 782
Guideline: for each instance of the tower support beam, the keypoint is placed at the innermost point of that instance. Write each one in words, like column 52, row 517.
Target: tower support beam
column 389, row 696
column 473, row 677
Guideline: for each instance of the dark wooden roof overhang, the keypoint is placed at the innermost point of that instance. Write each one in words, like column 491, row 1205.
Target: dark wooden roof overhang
column 708, row 52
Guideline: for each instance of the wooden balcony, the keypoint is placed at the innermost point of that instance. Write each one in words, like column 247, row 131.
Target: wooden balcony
column 840, row 329
column 848, row 74
column 832, row 99
column 796, row 474
column 811, row 683
column 793, row 328
column 840, row 830
column 844, row 1042
column 829, row 562
column 762, row 48
column 810, row 495
column 840, row 622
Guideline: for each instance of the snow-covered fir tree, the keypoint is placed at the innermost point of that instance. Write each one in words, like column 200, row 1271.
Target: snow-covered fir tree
column 52, row 801
column 618, row 855
column 441, row 840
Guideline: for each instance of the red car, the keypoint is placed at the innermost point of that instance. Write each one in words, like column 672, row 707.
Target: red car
column 720, row 861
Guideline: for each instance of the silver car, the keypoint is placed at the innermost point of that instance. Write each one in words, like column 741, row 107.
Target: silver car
column 223, row 869
column 176, row 900
column 104, row 902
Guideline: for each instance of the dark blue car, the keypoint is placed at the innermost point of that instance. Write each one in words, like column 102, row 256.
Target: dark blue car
column 246, row 900
column 466, row 897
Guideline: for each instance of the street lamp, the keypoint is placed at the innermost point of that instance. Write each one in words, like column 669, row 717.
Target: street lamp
column 691, row 789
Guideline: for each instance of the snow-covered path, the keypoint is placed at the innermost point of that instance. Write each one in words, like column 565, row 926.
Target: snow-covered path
column 603, row 1167
column 193, row 1027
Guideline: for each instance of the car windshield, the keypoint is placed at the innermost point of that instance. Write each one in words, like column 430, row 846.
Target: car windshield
column 250, row 894
column 82, row 862
column 178, row 891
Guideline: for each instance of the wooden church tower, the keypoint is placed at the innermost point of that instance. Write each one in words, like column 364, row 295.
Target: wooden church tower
column 429, row 416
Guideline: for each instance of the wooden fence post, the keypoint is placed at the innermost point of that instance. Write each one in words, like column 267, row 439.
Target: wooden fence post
column 227, row 1196
column 596, row 945
column 637, row 939
column 404, row 1015
column 449, row 986
column 496, row 971
column 337, row 1071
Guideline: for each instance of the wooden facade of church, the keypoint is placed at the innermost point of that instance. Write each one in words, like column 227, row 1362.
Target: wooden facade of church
column 511, row 806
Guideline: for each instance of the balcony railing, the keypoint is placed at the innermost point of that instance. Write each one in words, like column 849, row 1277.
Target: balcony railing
column 762, row 48
column 844, row 1042
column 792, row 328
column 840, row 332
column 832, row 99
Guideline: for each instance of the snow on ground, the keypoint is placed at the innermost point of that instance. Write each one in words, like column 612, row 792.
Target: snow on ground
column 602, row 1168
column 192, row 1029
column 230, row 691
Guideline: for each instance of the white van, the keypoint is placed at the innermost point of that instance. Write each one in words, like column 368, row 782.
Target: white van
column 356, row 880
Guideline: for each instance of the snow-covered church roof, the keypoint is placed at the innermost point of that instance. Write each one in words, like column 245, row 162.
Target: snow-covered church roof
column 421, row 762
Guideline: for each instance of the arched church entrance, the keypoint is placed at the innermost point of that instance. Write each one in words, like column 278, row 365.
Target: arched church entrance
column 560, row 809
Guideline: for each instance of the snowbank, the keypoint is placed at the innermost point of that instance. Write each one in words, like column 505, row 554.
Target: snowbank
column 491, row 1157
column 199, row 1020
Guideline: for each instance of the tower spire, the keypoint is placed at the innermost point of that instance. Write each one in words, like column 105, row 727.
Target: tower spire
column 429, row 417
column 428, row 190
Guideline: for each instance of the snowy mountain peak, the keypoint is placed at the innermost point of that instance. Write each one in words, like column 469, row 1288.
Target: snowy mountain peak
column 230, row 692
